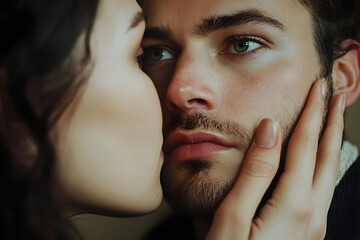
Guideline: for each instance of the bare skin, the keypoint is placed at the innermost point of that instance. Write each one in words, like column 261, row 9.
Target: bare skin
column 299, row 205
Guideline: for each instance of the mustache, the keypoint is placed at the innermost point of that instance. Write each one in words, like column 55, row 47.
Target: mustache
column 204, row 122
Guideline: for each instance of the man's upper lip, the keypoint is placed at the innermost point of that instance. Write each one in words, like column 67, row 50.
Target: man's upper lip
column 178, row 138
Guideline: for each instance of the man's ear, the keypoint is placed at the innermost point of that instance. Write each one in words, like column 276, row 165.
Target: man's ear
column 346, row 73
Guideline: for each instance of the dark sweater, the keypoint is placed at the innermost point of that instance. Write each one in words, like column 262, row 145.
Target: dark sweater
column 344, row 214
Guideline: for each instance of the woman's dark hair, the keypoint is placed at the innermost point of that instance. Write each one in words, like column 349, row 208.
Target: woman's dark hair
column 39, row 75
column 334, row 22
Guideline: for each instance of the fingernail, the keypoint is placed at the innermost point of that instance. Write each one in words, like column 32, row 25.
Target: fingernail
column 323, row 88
column 267, row 133
column 343, row 103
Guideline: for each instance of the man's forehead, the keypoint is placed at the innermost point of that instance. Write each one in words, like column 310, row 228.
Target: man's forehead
column 170, row 20
column 191, row 12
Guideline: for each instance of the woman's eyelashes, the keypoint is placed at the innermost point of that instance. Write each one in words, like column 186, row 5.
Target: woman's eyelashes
column 242, row 45
column 139, row 57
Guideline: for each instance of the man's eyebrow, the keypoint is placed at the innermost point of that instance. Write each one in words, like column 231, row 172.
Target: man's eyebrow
column 161, row 32
column 136, row 20
column 217, row 22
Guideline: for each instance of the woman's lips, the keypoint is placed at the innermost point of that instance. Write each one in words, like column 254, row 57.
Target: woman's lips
column 181, row 146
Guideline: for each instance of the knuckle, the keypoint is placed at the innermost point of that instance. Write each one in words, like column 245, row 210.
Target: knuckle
column 302, row 213
column 260, row 168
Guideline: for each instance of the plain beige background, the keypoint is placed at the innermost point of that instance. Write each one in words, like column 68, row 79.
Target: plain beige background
column 94, row 227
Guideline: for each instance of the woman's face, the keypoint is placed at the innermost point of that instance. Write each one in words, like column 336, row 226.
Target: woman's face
column 108, row 141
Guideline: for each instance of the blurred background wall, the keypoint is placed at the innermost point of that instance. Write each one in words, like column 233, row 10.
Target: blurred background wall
column 94, row 227
column 352, row 123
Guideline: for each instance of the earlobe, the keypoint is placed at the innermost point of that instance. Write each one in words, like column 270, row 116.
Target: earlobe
column 346, row 74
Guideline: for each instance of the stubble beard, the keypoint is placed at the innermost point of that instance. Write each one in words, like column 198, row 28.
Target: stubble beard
column 199, row 195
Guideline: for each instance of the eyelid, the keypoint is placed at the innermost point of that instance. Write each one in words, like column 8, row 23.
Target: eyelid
column 147, row 47
column 247, row 38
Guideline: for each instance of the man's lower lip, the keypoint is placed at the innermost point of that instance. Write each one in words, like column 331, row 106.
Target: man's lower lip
column 194, row 151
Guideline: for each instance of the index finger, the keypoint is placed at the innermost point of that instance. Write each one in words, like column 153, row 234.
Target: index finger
column 297, row 177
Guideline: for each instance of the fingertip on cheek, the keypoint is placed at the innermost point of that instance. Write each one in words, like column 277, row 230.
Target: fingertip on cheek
column 267, row 134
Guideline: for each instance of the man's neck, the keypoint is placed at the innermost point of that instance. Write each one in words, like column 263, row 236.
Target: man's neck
column 201, row 227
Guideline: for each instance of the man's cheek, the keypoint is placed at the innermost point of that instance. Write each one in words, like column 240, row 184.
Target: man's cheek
column 262, row 92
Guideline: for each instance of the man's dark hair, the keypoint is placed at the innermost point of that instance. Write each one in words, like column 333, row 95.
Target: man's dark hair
column 334, row 22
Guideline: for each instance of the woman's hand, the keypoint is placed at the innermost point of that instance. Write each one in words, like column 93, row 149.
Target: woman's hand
column 301, row 199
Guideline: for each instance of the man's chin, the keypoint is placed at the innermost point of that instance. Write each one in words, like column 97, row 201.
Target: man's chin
column 199, row 194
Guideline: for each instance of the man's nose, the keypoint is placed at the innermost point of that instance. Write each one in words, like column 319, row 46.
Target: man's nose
column 192, row 88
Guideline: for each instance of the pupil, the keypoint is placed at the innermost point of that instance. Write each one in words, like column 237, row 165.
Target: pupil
column 241, row 46
column 157, row 54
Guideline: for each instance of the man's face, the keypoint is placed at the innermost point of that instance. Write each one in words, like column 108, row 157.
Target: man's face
column 220, row 67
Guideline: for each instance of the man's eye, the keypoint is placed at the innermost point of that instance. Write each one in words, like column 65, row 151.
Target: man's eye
column 242, row 46
column 156, row 55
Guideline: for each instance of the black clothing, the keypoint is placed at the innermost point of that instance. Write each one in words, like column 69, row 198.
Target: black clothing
column 344, row 213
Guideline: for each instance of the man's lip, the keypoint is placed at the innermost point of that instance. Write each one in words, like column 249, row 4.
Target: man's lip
column 183, row 145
